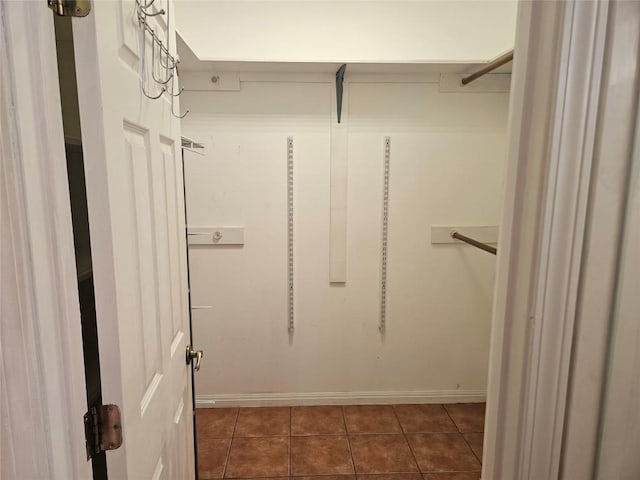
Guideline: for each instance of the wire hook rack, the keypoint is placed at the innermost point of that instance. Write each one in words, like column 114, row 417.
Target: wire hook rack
column 163, row 73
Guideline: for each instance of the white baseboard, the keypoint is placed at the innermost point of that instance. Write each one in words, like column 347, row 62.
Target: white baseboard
column 339, row 398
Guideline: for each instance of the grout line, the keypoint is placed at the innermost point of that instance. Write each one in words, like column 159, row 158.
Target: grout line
column 451, row 418
column 332, row 475
column 463, row 437
column 406, row 439
column 470, row 448
column 233, row 435
column 346, row 432
column 398, row 418
column 235, row 423
column 290, row 466
column 307, row 435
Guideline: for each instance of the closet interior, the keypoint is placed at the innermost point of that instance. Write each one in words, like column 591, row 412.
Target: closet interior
column 343, row 171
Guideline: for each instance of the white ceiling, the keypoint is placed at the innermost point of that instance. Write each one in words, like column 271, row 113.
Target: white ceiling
column 316, row 36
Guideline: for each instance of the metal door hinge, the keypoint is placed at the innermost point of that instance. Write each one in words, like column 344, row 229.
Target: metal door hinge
column 103, row 429
column 70, row 8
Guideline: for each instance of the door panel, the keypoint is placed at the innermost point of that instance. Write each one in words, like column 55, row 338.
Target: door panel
column 42, row 381
column 136, row 217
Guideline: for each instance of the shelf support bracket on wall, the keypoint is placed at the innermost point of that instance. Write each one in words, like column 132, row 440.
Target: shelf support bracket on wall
column 340, row 89
column 338, row 183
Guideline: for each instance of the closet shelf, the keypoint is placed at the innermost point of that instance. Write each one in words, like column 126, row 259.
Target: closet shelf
column 332, row 67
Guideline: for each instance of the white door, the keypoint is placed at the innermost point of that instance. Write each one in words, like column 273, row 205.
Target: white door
column 136, row 216
column 42, row 382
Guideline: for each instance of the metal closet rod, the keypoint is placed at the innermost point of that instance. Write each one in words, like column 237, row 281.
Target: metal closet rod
column 475, row 243
column 489, row 67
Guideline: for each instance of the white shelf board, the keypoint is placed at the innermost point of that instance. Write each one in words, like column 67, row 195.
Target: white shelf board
column 189, row 62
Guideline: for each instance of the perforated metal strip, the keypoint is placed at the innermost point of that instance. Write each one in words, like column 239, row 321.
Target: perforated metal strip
column 385, row 229
column 290, row 226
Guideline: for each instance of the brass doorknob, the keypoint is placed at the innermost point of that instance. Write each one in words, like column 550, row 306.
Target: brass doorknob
column 194, row 355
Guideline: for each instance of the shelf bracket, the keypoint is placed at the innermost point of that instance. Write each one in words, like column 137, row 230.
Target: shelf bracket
column 340, row 88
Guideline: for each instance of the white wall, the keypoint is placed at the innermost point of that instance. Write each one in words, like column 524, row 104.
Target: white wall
column 447, row 155
column 347, row 31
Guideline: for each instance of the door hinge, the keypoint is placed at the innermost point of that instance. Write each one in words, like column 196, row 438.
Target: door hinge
column 70, row 8
column 102, row 429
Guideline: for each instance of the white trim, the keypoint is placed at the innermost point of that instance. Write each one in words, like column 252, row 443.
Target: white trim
column 339, row 398
column 557, row 67
column 562, row 240
column 618, row 113
column 619, row 439
column 42, row 368
column 516, row 259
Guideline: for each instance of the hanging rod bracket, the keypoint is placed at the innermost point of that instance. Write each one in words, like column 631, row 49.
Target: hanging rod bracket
column 340, row 88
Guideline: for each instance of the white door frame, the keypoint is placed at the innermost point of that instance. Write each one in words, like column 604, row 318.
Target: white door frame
column 605, row 340
column 42, row 380
column 556, row 93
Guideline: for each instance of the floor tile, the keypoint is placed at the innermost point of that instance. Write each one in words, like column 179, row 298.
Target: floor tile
column 424, row 419
column 468, row 417
column 267, row 478
column 443, row 452
column 475, row 441
column 371, row 419
column 216, row 422
column 317, row 421
column 453, row 476
column 321, row 455
column 391, row 476
column 382, row 454
column 262, row 422
column 212, row 457
column 326, row 477
column 258, row 457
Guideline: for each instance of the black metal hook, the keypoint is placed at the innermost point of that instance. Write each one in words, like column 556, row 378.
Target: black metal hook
column 340, row 88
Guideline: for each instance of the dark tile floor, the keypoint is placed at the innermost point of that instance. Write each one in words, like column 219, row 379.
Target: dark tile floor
column 373, row 442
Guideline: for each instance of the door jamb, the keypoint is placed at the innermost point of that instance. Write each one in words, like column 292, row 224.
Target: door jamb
column 552, row 124
column 529, row 366
column 43, row 393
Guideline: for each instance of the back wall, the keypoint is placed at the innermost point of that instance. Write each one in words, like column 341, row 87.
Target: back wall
column 447, row 158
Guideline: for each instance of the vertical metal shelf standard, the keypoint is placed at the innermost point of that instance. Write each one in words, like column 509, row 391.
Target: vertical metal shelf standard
column 290, row 225
column 385, row 231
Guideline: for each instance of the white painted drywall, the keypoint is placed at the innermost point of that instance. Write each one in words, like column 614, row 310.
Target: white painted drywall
column 447, row 156
column 347, row 31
